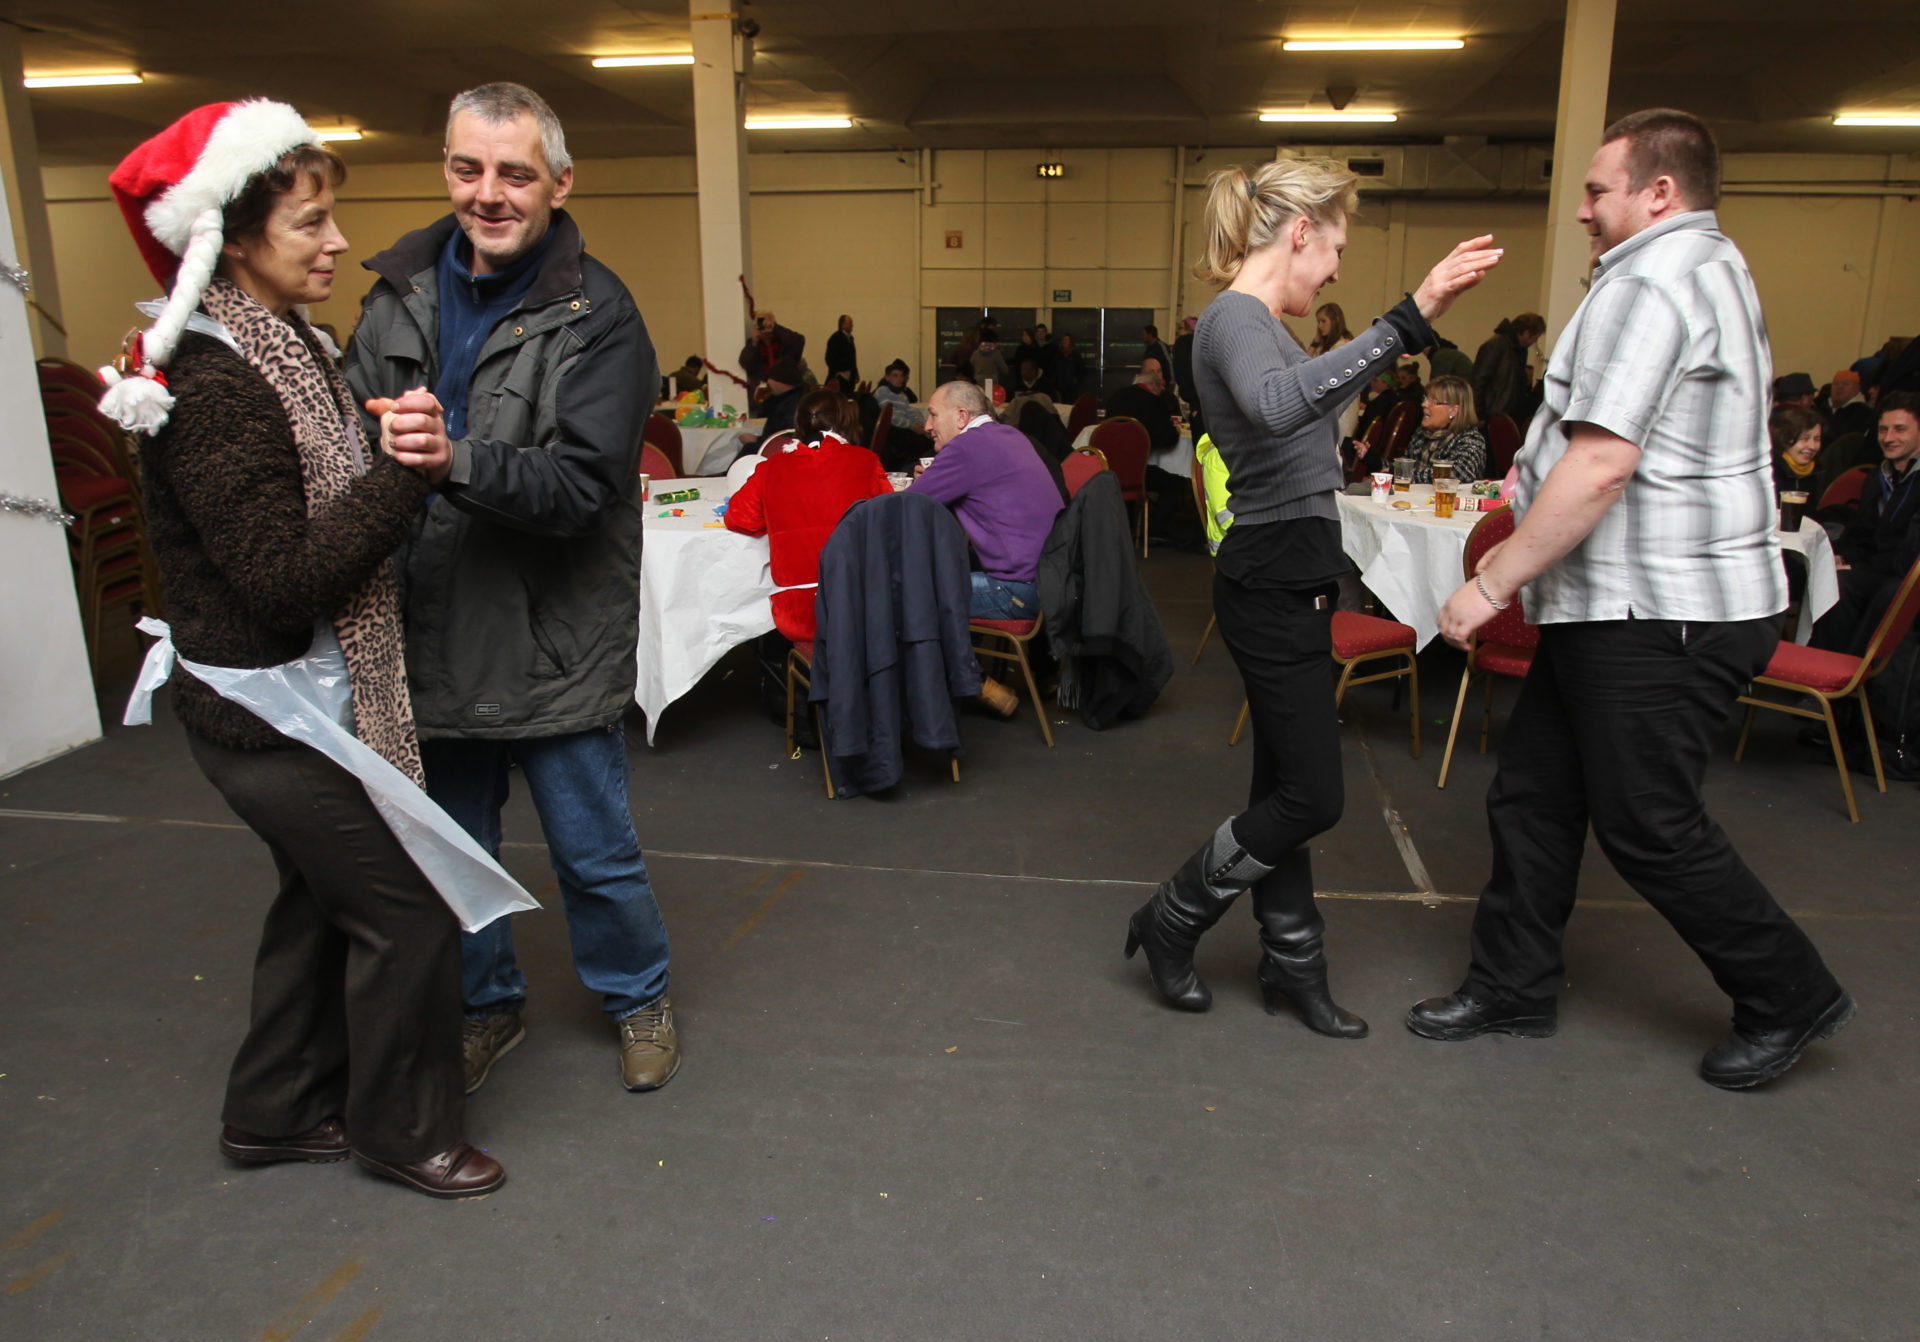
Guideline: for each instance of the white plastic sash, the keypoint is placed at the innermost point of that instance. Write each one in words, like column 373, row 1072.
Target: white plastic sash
column 309, row 700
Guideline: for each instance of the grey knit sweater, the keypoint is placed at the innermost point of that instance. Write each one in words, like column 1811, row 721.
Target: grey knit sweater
column 1274, row 412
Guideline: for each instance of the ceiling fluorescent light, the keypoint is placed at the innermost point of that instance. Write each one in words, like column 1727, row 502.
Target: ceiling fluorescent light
column 626, row 62
column 80, row 81
column 338, row 133
column 1878, row 119
column 1375, row 44
column 799, row 123
column 1330, row 116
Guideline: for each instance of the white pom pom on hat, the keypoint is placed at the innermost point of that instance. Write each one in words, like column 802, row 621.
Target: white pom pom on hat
column 173, row 191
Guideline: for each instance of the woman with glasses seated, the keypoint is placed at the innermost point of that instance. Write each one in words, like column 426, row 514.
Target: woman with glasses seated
column 1449, row 431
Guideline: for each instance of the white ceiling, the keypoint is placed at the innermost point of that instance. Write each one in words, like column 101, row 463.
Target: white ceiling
column 970, row 73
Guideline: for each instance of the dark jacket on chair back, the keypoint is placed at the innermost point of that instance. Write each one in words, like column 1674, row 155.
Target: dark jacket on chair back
column 1101, row 624
column 891, row 649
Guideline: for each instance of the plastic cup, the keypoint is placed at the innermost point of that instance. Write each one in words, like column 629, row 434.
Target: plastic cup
column 1793, row 505
column 1443, row 500
column 646, row 487
column 1402, row 474
column 1382, row 486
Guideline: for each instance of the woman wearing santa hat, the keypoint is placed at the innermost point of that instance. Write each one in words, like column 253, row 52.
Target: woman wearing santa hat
column 268, row 512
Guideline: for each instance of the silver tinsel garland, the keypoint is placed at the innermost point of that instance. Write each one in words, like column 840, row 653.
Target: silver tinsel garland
column 47, row 508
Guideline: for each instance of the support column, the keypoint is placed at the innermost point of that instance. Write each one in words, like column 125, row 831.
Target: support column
column 726, row 236
column 31, row 239
column 1586, row 62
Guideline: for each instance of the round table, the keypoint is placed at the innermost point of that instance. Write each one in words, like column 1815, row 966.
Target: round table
column 1413, row 561
column 703, row 590
column 708, row 452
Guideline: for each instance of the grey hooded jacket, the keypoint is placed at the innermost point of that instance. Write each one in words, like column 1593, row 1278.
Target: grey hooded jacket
column 521, row 577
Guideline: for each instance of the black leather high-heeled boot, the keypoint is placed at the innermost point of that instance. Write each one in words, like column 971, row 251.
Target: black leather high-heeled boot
column 1169, row 925
column 1293, row 960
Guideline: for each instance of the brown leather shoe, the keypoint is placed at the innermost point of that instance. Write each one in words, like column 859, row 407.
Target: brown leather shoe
column 324, row 1142
column 998, row 697
column 458, row 1172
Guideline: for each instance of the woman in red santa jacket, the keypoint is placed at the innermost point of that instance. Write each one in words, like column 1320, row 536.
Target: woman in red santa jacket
column 796, row 497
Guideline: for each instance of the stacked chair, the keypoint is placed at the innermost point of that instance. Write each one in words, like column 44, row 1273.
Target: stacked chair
column 98, row 479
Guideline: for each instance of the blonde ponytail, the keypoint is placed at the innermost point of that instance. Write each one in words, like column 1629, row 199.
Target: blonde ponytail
column 1244, row 213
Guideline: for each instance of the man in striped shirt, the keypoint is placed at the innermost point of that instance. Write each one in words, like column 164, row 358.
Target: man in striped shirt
column 1647, row 555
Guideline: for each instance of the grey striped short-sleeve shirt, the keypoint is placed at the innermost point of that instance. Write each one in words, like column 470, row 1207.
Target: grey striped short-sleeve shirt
column 1668, row 351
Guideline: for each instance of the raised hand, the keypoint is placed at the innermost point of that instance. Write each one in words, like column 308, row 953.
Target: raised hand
column 1462, row 268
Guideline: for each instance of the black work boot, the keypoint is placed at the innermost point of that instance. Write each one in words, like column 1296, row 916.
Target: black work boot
column 1293, row 961
column 1169, row 925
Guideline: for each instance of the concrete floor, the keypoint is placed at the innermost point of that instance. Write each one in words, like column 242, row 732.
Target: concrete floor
column 925, row 1097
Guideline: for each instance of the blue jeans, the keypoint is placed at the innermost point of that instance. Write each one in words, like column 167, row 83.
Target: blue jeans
column 1000, row 599
column 579, row 787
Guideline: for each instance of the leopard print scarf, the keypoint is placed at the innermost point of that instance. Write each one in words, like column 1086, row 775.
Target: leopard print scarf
column 332, row 455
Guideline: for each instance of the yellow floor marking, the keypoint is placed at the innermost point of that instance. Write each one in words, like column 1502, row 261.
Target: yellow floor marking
column 742, row 932
column 20, row 1239
column 359, row 1328
column 39, row 1274
column 302, row 1313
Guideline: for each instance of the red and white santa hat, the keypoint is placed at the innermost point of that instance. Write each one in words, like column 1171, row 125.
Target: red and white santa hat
column 173, row 191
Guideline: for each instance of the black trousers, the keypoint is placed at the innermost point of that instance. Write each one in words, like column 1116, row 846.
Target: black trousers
column 1613, row 728
column 1283, row 644
column 356, row 986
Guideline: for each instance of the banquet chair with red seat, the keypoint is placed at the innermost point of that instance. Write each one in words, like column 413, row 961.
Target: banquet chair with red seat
column 1845, row 489
column 1503, row 440
column 779, row 442
column 1125, row 445
column 1198, row 474
column 663, row 435
column 1833, row 676
column 655, row 465
column 1081, row 465
column 882, row 426
column 1401, row 421
column 1503, row 646
column 1357, row 640
column 1085, row 411
column 1016, row 634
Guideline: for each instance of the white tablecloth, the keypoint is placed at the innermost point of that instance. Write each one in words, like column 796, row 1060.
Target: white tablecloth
column 1813, row 544
column 703, row 591
column 1176, row 460
column 711, row 451
column 1413, row 560
column 1410, row 559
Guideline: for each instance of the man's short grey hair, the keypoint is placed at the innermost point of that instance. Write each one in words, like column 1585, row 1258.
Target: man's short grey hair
column 967, row 396
column 497, row 104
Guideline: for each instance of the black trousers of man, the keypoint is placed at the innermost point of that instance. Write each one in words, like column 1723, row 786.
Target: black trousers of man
column 356, row 986
column 1613, row 728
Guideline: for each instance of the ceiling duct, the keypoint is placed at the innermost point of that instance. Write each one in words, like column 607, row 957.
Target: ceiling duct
column 1466, row 168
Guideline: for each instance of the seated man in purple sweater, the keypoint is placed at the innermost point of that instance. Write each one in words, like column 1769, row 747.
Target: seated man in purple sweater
column 1006, row 501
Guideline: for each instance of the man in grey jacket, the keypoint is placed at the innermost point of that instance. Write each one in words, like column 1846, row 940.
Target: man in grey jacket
column 521, row 576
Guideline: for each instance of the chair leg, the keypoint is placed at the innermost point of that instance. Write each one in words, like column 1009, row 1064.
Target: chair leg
column 1205, row 634
column 1340, row 690
column 1239, row 723
column 1026, row 669
column 1873, row 741
column 1453, row 728
column 955, row 760
column 1413, row 699
column 1745, row 728
column 1839, row 757
column 826, row 769
column 1486, row 718
column 1146, row 505
column 793, row 749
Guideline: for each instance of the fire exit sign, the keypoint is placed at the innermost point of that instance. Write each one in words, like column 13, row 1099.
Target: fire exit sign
column 1063, row 295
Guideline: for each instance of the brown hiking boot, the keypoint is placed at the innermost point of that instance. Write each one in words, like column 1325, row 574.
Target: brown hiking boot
column 998, row 697
column 649, row 1047
column 485, row 1041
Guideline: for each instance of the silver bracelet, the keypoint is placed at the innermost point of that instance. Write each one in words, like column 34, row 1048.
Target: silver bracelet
column 1497, row 605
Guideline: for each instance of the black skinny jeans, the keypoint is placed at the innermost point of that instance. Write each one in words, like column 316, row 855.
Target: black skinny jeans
column 1283, row 646
column 1614, row 726
column 356, row 987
